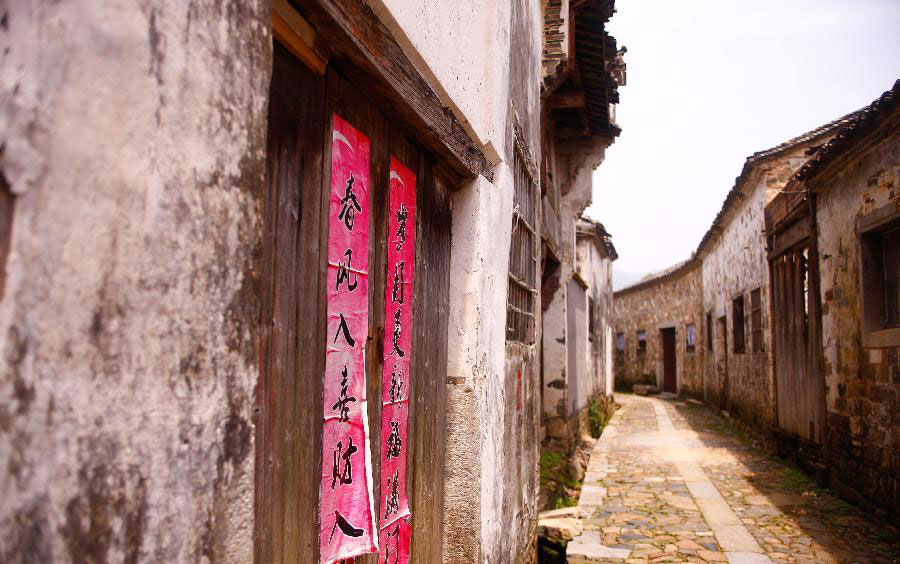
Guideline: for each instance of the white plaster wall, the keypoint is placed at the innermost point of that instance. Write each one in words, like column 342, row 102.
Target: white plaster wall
column 476, row 337
column 463, row 47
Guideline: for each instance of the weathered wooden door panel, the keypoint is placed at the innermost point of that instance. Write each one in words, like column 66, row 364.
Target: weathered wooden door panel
column 289, row 397
column 289, row 392
column 798, row 393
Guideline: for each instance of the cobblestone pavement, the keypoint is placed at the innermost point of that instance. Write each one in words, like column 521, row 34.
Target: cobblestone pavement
column 667, row 482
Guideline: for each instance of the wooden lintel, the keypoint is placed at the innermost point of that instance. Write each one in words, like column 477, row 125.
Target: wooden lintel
column 356, row 35
column 566, row 100
column 292, row 31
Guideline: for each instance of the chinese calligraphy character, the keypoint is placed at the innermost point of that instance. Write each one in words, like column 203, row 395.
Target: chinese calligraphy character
column 344, row 271
column 402, row 216
column 342, row 328
column 397, row 290
column 392, row 499
column 344, row 476
column 396, row 385
column 343, row 400
column 345, row 527
column 393, row 539
column 393, row 441
column 349, row 204
column 396, row 338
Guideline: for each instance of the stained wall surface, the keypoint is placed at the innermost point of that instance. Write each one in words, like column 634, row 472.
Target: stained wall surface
column 862, row 377
column 133, row 143
column 493, row 390
column 672, row 301
column 596, row 269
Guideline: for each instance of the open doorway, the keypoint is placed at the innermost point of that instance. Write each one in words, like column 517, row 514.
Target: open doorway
column 670, row 378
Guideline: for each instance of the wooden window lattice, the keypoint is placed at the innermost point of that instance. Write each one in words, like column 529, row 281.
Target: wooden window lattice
column 522, row 257
column 756, row 320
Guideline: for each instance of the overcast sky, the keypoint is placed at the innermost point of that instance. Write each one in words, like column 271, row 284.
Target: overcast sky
column 709, row 83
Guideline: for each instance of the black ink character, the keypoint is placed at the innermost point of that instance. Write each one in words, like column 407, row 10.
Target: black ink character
column 396, row 385
column 345, row 476
column 343, row 329
column 397, row 330
column 344, row 272
column 349, row 204
column 392, row 499
column 393, row 441
column 343, row 400
column 402, row 216
column 393, row 540
column 345, row 527
column 397, row 289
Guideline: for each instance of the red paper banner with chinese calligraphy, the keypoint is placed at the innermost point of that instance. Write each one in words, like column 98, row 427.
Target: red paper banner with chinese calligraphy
column 401, row 259
column 347, row 507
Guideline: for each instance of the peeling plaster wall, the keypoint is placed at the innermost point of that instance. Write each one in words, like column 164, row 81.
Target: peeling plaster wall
column 576, row 172
column 596, row 269
column 862, row 384
column 133, row 139
column 492, row 445
column 674, row 302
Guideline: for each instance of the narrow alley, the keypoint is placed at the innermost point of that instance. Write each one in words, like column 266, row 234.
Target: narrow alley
column 449, row 281
column 669, row 481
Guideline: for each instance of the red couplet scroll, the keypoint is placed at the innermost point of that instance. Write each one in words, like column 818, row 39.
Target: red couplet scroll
column 401, row 260
column 347, row 512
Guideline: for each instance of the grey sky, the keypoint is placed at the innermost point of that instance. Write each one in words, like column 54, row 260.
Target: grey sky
column 712, row 81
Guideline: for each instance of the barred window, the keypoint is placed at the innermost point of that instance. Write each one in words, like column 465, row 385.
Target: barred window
column 522, row 258
column 691, row 341
column 641, row 342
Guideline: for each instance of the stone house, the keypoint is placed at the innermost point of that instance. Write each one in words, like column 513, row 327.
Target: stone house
column 659, row 331
column 702, row 325
column 835, row 252
column 581, row 72
column 738, row 369
column 180, row 187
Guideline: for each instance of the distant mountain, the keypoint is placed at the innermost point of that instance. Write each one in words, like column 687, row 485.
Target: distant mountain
column 622, row 278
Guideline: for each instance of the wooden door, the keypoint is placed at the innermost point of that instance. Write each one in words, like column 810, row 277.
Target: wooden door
column 292, row 324
column 670, row 383
column 798, row 394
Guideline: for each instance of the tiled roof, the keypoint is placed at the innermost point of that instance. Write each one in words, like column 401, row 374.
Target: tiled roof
column 762, row 156
column 659, row 277
column 860, row 124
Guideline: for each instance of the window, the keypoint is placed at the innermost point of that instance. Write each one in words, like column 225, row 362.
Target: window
column 737, row 324
column 691, row 337
column 522, row 257
column 880, row 256
column 592, row 318
column 620, row 342
column 756, row 319
column 891, row 261
column 709, row 332
column 641, row 342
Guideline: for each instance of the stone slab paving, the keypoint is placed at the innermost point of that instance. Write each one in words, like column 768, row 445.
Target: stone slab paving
column 667, row 482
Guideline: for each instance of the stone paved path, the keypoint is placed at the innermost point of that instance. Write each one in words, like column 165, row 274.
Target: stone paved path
column 668, row 483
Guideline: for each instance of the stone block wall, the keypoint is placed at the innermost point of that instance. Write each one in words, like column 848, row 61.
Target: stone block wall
column 674, row 300
column 862, row 378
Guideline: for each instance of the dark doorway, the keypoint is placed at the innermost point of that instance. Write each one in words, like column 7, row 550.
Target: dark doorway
column 670, row 379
